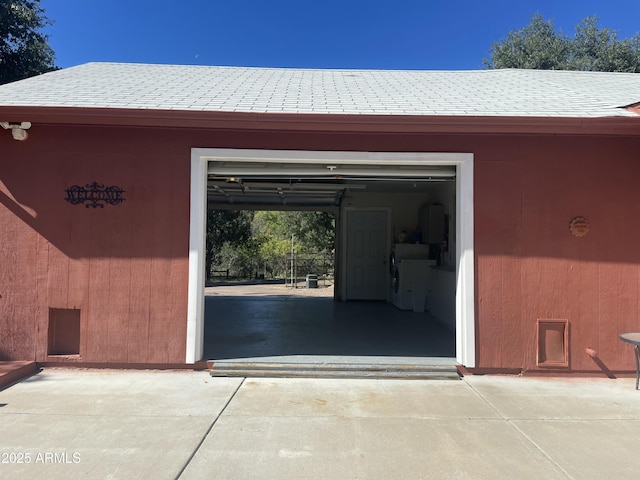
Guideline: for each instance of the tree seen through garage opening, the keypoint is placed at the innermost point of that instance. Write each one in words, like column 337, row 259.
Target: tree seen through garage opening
column 247, row 245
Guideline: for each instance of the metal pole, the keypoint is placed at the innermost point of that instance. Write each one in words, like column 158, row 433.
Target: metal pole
column 635, row 348
column 292, row 253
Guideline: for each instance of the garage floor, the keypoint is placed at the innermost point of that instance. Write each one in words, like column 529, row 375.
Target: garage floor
column 276, row 324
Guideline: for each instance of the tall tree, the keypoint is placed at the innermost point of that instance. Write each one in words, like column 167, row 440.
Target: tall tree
column 540, row 46
column 224, row 227
column 314, row 236
column 314, row 231
column 599, row 49
column 24, row 50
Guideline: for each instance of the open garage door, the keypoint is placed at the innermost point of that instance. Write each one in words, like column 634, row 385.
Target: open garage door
column 263, row 179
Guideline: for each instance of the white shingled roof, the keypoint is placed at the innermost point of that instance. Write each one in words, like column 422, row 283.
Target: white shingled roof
column 519, row 93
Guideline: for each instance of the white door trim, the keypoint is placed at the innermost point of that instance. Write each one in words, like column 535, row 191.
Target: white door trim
column 197, row 233
column 465, row 280
column 465, row 261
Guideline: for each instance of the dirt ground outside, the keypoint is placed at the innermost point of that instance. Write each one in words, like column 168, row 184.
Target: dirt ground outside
column 270, row 289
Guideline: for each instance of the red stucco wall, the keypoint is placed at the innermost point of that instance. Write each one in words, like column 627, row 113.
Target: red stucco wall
column 126, row 267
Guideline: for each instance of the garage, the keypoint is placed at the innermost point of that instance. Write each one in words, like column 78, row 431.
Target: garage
column 516, row 160
column 380, row 311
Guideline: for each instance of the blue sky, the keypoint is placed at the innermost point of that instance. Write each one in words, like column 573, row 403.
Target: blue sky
column 391, row 34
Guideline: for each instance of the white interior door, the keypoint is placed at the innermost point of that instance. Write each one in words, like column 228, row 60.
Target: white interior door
column 366, row 262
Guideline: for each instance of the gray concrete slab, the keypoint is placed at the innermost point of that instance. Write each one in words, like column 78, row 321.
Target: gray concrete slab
column 563, row 398
column 588, row 449
column 166, row 425
column 107, row 423
column 359, row 398
column 96, row 446
column 119, row 392
column 588, row 427
column 366, row 448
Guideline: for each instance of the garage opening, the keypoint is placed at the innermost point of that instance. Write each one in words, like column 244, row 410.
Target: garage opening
column 400, row 266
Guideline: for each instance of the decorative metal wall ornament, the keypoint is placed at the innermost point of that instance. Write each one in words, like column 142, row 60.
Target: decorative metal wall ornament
column 94, row 195
column 579, row 226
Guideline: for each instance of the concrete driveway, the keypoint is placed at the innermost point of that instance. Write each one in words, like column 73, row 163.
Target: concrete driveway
column 66, row 423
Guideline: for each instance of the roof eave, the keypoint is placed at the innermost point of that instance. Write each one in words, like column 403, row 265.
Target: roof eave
column 357, row 123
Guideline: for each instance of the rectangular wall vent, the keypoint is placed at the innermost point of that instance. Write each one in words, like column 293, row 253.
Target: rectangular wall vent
column 553, row 343
column 64, row 331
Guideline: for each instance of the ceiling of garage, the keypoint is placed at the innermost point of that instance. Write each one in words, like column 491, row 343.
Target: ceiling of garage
column 313, row 185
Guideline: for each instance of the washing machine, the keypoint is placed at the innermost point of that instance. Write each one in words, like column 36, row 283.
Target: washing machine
column 406, row 251
column 401, row 285
column 411, row 283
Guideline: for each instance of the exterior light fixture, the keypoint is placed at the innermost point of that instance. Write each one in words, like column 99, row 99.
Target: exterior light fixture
column 18, row 131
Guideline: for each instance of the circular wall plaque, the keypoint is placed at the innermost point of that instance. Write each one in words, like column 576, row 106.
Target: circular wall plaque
column 579, row 227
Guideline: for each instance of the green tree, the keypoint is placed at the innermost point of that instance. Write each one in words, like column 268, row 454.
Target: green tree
column 24, row 50
column 272, row 254
column 314, row 231
column 600, row 50
column 250, row 243
column 314, row 234
column 225, row 227
column 536, row 46
column 540, row 46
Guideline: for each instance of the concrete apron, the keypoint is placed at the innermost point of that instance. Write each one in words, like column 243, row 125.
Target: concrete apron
column 187, row 425
column 430, row 368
